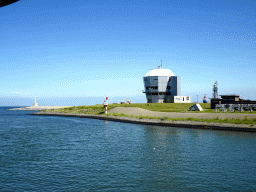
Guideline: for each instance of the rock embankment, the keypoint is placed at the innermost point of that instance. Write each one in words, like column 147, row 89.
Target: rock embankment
column 158, row 122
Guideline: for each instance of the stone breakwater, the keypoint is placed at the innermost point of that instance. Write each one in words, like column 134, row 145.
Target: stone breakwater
column 27, row 109
column 39, row 108
column 157, row 122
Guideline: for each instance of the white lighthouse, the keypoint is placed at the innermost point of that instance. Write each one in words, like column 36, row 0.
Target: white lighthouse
column 35, row 104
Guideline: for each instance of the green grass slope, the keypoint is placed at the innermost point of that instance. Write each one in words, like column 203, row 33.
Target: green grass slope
column 162, row 107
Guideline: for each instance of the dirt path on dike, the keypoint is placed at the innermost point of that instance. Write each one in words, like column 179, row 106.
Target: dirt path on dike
column 139, row 111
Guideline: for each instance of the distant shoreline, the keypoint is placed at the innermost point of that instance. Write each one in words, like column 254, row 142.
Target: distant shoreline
column 157, row 122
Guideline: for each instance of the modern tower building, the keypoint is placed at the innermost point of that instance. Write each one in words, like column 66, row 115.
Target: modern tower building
column 162, row 86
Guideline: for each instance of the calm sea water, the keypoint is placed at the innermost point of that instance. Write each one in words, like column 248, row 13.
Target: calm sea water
column 72, row 154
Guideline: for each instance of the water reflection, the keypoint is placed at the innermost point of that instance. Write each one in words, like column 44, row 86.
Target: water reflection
column 199, row 156
column 162, row 155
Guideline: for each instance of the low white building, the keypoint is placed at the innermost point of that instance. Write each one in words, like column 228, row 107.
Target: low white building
column 178, row 99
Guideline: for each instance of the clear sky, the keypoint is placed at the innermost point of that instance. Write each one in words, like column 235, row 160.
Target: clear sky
column 98, row 48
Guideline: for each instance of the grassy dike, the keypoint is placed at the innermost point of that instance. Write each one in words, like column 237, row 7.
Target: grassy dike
column 161, row 107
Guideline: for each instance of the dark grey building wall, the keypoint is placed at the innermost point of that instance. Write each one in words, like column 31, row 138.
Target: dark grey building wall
column 158, row 88
column 174, row 83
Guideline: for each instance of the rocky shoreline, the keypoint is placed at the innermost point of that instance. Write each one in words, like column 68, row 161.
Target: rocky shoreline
column 157, row 122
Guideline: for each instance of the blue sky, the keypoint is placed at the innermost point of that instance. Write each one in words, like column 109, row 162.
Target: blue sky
column 79, row 49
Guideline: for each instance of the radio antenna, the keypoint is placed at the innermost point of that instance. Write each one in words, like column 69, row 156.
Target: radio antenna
column 160, row 66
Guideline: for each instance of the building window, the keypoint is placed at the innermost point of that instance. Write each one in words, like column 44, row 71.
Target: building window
column 177, row 98
column 154, row 87
column 168, row 87
column 168, row 93
column 154, row 93
column 161, row 93
column 147, row 88
column 148, row 94
column 187, row 98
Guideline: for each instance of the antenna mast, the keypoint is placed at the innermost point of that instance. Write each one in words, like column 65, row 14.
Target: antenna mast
column 160, row 66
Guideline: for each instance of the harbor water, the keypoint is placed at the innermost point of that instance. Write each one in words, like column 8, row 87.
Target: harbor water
column 40, row 153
